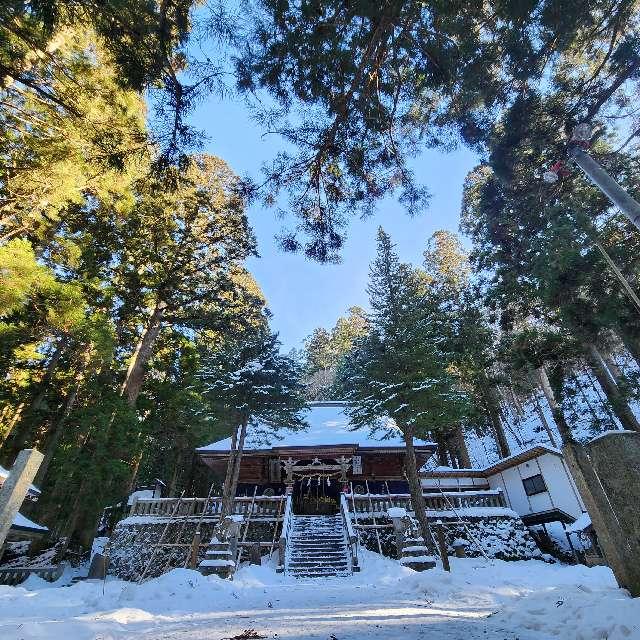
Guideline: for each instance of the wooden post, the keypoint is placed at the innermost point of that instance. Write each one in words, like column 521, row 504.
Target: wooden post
column 15, row 489
column 195, row 548
column 442, row 545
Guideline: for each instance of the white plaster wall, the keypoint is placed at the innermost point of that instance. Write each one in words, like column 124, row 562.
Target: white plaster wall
column 561, row 487
column 560, row 494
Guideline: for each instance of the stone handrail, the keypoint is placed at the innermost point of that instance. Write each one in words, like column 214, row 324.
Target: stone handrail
column 284, row 535
column 265, row 507
column 352, row 537
column 445, row 501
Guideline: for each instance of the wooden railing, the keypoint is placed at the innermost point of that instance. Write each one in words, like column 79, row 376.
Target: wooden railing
column 446, row 501
column 352, row 537
column 284, row 535
column 262, row 508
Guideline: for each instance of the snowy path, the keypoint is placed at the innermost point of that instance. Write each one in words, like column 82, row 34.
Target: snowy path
column 501, row 601
column 365, row 613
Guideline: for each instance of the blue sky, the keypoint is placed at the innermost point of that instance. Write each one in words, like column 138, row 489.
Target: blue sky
column 302, row 294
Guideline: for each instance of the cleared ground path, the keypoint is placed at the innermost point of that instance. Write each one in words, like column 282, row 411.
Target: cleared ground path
column 525, row 600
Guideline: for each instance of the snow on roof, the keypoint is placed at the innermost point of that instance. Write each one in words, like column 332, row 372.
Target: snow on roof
column 4, row 474
column 580, row 524
column 25, row 523
column 532, row 451
column 329, row 424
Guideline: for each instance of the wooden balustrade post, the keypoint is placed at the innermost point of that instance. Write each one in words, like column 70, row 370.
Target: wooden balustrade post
column 195, row 548
column 442, row 545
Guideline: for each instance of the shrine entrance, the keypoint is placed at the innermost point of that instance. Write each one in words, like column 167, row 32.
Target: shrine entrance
column 316, row 496
column 315, row 485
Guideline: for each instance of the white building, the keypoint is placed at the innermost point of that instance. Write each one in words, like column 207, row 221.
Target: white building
column 535, row 483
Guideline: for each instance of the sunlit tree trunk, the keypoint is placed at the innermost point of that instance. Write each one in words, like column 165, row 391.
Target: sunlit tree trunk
column 144, row 350
column 22, row 427
column 616, row 399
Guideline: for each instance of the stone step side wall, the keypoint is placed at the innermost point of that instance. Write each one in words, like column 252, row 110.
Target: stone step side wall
column 131, row 546
column 501, row 537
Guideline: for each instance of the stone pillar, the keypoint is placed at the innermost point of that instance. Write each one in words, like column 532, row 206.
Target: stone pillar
column 397, row 515
column 15, row 488
column 221, row 555
column 616, row 461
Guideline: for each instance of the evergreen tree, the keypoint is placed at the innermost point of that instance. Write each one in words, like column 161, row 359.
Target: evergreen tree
column 400, row 369
column 323, row 351
column 360, row 87
column 257, row 388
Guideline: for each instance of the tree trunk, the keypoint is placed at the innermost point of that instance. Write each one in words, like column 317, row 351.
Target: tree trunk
column 493, row 409
column 543, row 419
column 21, row 430
column 415, row 489
column 132, row 384
column 57, row 431
column 614, row 369
column 616, row 399
column 459, row 447
column 556, row 411
column 233, row 472
column 441, row 441
column 11, row 424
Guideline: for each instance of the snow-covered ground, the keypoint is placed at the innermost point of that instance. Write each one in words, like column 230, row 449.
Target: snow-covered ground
column 501, row 600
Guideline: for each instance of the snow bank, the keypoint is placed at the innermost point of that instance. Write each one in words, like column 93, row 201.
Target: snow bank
column 529, row 600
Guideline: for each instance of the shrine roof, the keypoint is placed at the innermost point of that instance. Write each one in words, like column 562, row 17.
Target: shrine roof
column 328, row 425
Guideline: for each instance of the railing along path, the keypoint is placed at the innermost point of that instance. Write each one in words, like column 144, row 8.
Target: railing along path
column 265, row 508
column 380, row 503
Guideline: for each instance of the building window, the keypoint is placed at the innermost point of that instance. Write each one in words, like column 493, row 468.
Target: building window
column 534, row 484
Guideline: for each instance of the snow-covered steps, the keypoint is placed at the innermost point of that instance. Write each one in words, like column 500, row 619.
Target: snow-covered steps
column 317, row 548
column 416, row 555
column 218, row 560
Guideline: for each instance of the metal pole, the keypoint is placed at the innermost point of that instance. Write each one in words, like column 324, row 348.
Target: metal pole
column 592, row 169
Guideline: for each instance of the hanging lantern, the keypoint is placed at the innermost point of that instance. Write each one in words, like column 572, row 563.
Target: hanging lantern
column 582, row 133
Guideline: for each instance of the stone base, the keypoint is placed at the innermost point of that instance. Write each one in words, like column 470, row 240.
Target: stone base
column 218, row 561
column 418, row 565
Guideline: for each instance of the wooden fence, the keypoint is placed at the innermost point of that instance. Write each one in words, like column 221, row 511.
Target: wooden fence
column 447, row 501
column 265, row 508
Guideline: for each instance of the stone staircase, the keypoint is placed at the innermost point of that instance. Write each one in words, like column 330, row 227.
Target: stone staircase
column 317, row 548
column 416, row 555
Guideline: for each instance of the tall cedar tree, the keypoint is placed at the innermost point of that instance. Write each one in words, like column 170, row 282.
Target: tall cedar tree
column 324, row 349
column 361, row 86
column 399, row 370
column 470, row 335
column 258, row 388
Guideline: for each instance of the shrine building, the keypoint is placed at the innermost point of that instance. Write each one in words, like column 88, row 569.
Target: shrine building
column 315, row 464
